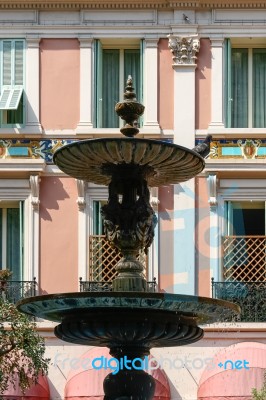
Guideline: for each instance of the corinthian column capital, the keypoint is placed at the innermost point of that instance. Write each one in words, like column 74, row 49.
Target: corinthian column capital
column 184, row 49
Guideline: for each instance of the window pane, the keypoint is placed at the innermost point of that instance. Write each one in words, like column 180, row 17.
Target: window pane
column 13, row 242
column 15, row 116
column 247, row 218
column 239, row 88
column 259, row 88
column 110, row 88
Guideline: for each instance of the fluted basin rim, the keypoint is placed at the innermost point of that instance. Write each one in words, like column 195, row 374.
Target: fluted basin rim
column 55, row 307
column 87, row 159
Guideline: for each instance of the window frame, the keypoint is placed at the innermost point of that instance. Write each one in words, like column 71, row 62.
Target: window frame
column 12, row 86
column 233, row 190
column 120, row 45
column 20, row 190
column 241, row 43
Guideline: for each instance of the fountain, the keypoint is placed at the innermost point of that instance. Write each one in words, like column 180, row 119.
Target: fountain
column 129, row 319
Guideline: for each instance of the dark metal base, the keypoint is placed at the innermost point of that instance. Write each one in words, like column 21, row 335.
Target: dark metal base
column 128, row 329
column 129, row 385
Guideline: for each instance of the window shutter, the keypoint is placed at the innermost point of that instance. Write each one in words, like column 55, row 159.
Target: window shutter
column 7, row 64
column 10, row 98
column 19, row 51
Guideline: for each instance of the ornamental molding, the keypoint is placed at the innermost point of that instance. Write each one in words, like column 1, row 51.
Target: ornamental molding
column 133, row 4
column 184, row 49
column 212, row 186
column 81, row 200
column 35, row 189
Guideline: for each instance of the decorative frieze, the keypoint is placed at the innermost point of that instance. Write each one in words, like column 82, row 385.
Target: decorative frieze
column 184, row 49
column 238, row 148
column 133, row 4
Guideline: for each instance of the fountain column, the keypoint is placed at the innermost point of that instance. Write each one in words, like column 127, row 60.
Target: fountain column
column 184, row 51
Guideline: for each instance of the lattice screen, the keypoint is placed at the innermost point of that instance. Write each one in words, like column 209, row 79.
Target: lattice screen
column 103, row 259
column 244, row 258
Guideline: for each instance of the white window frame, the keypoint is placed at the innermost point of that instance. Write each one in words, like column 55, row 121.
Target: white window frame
column 20, row 190
column 234, row 190
column 249, row 44
column 12, row 87
column 5, row 206
column 121, row 45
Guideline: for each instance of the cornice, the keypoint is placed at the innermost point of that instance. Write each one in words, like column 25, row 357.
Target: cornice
column 133, row 4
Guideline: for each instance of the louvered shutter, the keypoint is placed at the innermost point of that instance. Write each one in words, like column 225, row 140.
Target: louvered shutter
column 12, row 74
column 7, row 63
column 10, row 99
column 18, row 73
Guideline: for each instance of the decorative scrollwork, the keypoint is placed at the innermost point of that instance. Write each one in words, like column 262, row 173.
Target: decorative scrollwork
column 250, row 296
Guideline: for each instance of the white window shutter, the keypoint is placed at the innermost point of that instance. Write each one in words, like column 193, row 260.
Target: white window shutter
column 18, row 78
column 7, row 62
column 10, row 98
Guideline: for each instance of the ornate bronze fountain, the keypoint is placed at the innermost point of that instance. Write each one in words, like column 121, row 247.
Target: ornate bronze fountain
column 129, row 320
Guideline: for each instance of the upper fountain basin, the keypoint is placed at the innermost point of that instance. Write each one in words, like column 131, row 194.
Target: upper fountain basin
column 161, row 163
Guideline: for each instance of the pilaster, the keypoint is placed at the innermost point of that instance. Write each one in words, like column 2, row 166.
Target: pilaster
column 184, row 50
column 217, row 81
column 212, row 182
column 85, row 121
column 150, row 80
column 33, row 85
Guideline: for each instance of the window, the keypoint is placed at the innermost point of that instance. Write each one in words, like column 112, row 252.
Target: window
column 246, row 85
column 12, row 83
column 244, row 245
column 112, row 66
column 11, row 239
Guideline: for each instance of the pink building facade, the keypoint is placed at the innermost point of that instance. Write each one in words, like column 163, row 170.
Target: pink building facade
column 199, row 68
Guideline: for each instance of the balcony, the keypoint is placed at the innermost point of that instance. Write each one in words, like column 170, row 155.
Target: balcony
column 102, row 261
column 244, row 273
column 250, row 296
column 101, row 286
column 244, row 258
column 14, row 291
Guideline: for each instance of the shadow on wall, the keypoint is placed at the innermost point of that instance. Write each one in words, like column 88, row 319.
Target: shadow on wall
column 52, row 191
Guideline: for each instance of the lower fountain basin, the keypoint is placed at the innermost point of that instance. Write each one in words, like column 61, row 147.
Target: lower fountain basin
column 126, row 319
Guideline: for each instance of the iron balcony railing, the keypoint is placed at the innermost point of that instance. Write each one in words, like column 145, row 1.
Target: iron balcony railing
column 244, row 258
column 14, row 291
column 250, row 296
column 106, row 286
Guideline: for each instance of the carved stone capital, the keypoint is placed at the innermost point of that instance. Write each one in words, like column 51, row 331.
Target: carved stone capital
column 35, row 186
column 85, row 42
column 81, row 187
column 184, row 49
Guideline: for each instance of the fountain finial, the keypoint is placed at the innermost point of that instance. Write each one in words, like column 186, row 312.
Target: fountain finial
column 129, row 110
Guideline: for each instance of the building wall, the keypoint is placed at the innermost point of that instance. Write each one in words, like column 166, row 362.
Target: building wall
column 59, row 83
column 59, row 91
column 165, row 86
column 58, row 235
